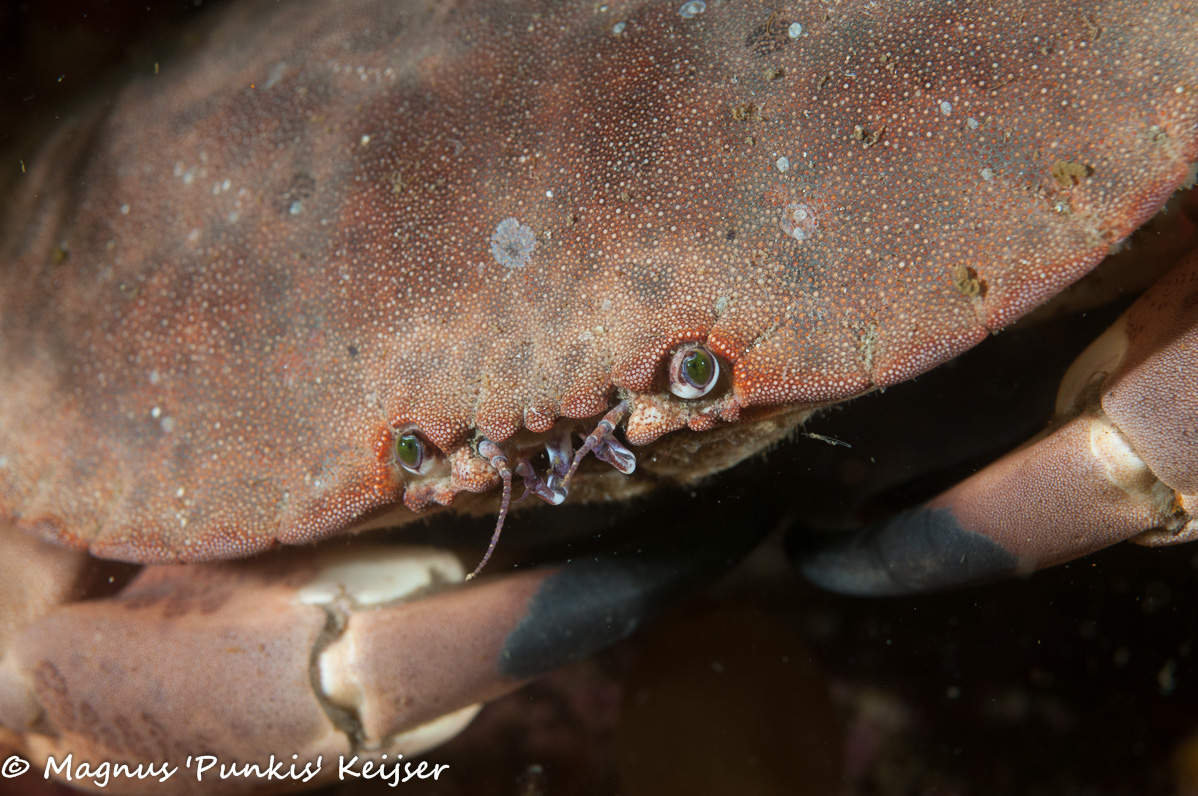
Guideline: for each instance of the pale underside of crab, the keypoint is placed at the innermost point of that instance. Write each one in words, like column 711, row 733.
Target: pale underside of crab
column 345, row 263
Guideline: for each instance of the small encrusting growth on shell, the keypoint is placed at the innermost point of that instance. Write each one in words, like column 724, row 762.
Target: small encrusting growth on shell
column 798, row 221
column 512, row 243
column 1068, row 173
column 968, row 283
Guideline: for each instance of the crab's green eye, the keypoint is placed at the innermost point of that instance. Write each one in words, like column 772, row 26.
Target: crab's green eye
column 697, row 368
column 409, row 449
column 693, row 371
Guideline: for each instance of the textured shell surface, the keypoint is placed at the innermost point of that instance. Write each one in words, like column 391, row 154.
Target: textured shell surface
column 225, row 291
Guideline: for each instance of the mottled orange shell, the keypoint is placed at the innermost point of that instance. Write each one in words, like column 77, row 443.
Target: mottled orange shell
column 223, row 292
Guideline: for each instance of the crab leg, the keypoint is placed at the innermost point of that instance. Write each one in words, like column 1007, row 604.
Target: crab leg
column 1121, row 463
column 365, row 651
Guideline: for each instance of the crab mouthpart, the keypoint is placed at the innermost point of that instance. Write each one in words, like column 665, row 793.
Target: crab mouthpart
column 563, row 462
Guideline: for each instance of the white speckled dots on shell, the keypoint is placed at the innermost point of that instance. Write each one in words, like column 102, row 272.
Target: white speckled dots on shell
column 343, row 218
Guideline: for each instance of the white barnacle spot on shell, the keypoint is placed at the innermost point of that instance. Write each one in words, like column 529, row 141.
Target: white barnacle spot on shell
column 946, row 108
column 798, row 221
column 795, row 30
column 617, row 28
column 987, row 174
column 512, row 243
column 783, row 164
column 692, row 9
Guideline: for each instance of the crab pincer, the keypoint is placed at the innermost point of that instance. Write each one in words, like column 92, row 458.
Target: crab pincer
column 333, row 658
column 1120, row 461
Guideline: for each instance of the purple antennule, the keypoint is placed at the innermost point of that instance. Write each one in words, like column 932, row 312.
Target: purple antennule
column 498, row 459
column 612, row 451
column 605, row 427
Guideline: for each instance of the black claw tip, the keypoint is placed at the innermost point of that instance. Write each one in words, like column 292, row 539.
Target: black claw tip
column 592, row 603
column 916, row 551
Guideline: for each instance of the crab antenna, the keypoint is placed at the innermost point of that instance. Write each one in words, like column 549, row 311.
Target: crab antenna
column 499, row 461
column 605, row 427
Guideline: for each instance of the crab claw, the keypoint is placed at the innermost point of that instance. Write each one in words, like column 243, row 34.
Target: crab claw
column 1120, row 463
column 368, row 651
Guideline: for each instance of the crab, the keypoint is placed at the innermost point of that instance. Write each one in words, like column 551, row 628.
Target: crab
column 347, row 266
